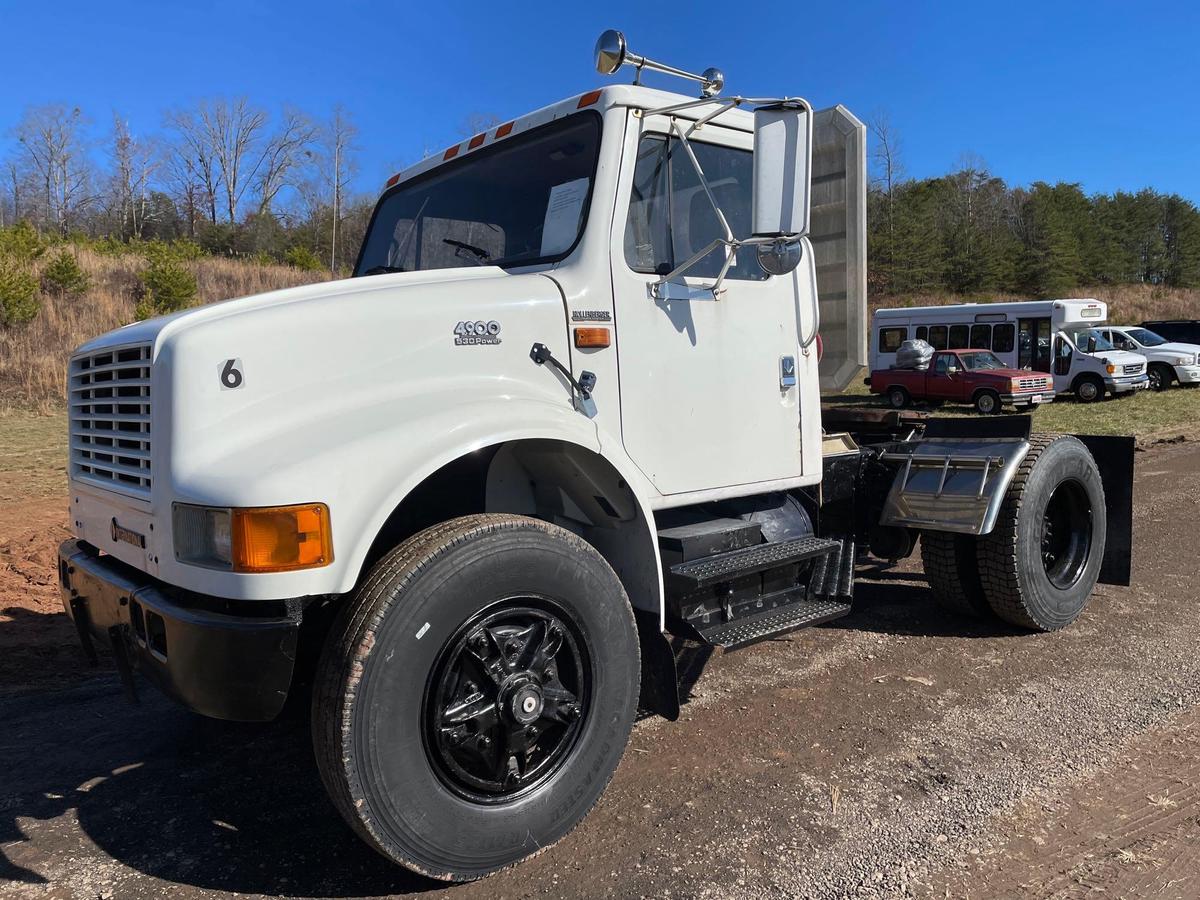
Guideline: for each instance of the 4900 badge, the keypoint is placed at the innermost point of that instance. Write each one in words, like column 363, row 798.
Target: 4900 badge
column 470, row 333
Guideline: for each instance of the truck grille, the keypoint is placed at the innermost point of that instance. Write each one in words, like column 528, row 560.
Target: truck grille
column 1135, row 369
column 110, row 418
column 1031, row 384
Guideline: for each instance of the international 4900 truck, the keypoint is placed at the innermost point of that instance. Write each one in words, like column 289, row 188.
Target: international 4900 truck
column 565, row 414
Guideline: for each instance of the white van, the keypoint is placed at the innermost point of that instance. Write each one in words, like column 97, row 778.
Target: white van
column 1059, row 337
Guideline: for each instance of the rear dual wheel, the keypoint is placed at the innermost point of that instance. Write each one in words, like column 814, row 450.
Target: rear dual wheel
column 476, row 694
column 1038, row 566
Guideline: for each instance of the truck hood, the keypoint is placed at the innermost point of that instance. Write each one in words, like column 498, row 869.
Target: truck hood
column 150, row 330
column 1120, row 357
column 1171, row 348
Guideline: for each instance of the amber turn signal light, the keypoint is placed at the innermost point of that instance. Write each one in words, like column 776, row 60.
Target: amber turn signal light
column 588, row 338
column 281, row 538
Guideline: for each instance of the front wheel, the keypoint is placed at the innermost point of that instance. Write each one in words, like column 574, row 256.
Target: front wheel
column 1089, row 389
column 1160, row 377
column 987, row 402
column 476, row 694
column 898, row 397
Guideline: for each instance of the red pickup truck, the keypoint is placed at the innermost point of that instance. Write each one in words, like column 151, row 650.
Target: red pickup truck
column 964, row 376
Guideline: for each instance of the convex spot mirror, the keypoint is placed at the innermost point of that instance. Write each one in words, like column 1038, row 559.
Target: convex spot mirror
column 783, row 138
column 610, row 52
column 780, row 257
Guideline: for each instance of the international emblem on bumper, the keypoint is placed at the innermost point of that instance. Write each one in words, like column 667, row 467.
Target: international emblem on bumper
column 127, row 535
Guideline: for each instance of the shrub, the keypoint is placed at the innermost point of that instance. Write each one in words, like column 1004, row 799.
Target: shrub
column 168, row 285
column 21, row 242
column 300, row 257
column 184, row 249
column 19, row 302
column 64, row 275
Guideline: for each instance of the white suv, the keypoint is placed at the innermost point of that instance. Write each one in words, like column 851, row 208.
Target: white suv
column 1169, row 361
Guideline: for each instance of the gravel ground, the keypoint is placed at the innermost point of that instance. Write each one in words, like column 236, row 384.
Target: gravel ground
column 895, row 753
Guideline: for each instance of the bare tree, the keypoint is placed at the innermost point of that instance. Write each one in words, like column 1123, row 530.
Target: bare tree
column 335, row 165
column 234, row 130
column 477, row 123
column 133, row 161
column 283, row 153
column 193, row 163
column 51, row 138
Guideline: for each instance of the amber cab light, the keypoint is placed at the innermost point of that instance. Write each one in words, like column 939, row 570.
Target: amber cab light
column 281, row 538
column 586, row 338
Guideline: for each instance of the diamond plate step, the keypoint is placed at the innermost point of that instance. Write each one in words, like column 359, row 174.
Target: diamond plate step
column 723, row 566
column 833, row 574
column 772, row 623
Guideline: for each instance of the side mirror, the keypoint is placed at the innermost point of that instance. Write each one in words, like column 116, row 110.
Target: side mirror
column 783, row 138
column 1091, row 344
column 952, row 369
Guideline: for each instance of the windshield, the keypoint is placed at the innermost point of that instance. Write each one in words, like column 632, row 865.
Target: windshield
column 519, row 202
column 1080, row 336
column 1145, row 337
column 982, row 361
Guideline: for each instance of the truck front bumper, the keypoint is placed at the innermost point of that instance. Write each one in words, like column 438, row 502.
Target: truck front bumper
column 1122, row 384
column 1028, row 398
column 1188, row 374
column 227, row 659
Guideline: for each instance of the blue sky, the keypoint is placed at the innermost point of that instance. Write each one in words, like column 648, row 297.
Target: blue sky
column 1105, row 94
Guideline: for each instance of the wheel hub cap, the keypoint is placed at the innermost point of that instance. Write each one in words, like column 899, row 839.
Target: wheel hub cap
column 506, row 700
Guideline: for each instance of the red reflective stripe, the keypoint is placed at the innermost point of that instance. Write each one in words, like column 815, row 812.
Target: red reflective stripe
column 451, row 153
column 503, row 130
column 392, row 181
column 588, row 99
column 475, row 142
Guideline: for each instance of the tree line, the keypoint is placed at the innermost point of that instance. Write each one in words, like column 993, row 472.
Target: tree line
column 223, row 173
column 970, row 233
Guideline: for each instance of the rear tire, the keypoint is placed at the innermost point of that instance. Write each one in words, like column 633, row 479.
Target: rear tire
column 476, row 694
column 1040, row 563
column 898, row 397
column 949, row 561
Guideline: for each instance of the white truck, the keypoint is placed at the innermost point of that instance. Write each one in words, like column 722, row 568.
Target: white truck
column 1062, row 338
column 566, row 412
column 1170, row 361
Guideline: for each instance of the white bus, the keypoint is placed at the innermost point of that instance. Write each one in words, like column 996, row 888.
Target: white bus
column 1059, row 337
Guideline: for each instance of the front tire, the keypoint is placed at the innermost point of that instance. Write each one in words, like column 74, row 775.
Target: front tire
column 476, row 694
column 987, row 402
column 1161, row 376
column 1089, row 389
column 898, row 398
column 1040, row 563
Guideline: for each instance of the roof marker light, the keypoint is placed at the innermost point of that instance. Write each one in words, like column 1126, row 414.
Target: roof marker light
column 391, row 182
column 588, row 99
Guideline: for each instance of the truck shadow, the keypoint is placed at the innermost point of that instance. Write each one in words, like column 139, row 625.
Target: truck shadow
column 214, row 805
column 177, row 797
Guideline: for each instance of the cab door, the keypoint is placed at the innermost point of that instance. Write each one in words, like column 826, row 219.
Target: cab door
column 940, row 382
column 710, row 388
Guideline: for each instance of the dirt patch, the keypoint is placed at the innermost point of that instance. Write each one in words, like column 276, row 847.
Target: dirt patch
column 38, row 645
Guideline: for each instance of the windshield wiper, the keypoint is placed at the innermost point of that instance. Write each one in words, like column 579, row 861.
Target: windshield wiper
column 384, row 270
column 481, row 255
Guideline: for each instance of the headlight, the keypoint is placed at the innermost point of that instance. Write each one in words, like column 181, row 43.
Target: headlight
column 258, row 539
column 1183, row 360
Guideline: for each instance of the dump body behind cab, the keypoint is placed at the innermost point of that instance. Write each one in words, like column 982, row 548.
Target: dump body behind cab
column 955, row 376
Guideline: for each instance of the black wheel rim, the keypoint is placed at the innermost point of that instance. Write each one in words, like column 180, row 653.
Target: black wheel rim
column 507, row 699
column 1066, row 534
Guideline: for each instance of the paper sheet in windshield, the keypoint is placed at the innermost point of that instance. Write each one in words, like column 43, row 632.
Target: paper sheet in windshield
column 562, row 216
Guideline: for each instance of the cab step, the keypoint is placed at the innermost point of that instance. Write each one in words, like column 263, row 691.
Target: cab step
column 772, row 623
column 833, row 574
column 721, row 567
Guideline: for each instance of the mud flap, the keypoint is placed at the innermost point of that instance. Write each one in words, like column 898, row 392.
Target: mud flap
column 1114, row 459
column 660, row 678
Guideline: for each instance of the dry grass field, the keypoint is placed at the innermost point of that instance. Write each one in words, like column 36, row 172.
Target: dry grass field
column 33, row 357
